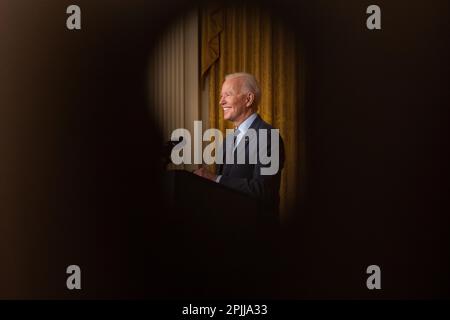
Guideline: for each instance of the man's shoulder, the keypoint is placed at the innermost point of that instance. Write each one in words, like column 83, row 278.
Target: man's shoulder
column 261, row 124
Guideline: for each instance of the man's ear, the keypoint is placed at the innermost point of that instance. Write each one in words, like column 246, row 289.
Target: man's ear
column 250, row 99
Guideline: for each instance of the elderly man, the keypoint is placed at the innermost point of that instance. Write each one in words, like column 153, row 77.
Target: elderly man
column 239, row 99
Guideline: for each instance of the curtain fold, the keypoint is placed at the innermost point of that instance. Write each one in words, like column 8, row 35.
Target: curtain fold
column 249, row 39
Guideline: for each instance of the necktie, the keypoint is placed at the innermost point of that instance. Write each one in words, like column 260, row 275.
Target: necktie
column 235, row 135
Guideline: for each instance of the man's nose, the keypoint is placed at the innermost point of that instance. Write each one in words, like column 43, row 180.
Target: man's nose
column 222, row 101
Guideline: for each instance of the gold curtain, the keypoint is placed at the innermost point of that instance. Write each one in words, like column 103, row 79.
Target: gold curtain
column 246, row 38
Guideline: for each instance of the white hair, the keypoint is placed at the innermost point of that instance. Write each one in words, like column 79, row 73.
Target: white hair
column 250, row 83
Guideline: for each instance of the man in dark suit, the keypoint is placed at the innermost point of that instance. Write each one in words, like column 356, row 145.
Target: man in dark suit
column 239, row 99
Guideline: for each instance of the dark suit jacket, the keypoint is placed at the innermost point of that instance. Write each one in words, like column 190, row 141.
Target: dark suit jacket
column 247, row 177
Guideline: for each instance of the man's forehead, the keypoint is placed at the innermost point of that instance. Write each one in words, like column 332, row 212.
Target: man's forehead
column 232, row 84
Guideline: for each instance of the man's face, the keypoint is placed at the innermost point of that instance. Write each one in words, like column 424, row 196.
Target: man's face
column 234, row 102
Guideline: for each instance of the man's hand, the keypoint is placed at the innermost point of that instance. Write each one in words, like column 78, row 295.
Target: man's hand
column 202, row 172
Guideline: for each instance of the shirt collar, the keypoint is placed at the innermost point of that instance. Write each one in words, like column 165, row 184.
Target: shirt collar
column 243, row 127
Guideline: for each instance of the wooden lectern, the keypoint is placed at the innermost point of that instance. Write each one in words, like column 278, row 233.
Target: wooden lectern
column 222, row 246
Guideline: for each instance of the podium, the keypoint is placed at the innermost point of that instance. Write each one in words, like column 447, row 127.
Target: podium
column 221, row 246
column 209, row 201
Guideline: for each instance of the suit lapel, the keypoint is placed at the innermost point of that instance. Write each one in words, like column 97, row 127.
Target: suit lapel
column 227, row 168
